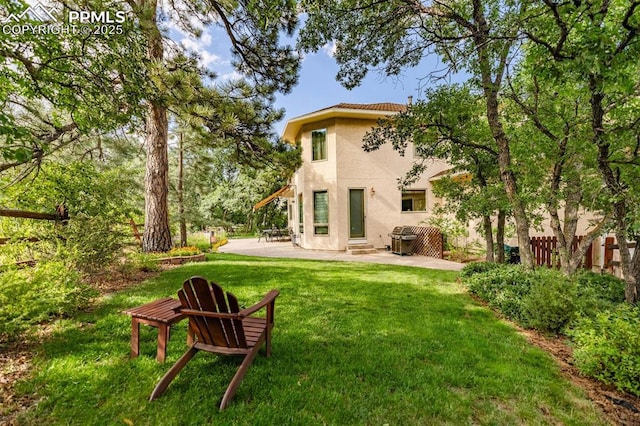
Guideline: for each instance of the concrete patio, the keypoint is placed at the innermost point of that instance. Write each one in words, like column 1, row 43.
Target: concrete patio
column 251, row 247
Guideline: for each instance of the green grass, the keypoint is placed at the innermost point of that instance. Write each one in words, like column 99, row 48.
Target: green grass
column 353, row 344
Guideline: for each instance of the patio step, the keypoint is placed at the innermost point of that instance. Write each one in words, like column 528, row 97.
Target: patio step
column 361, row 249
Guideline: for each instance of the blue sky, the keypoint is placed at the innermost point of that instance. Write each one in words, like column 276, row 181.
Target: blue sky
column 317, row 87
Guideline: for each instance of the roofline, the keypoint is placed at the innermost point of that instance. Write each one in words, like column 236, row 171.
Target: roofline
column 294, row 125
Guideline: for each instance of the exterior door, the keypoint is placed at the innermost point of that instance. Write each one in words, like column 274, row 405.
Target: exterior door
column 356, row 213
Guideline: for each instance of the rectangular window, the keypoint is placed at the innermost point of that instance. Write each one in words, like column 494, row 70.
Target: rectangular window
column 321, row 213
column 414, row 200
column 319, row 145
column 300, row 214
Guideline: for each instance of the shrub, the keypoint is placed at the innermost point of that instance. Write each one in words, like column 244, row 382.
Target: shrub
column 607, row 347
column 32, row 295
column 145, row 262
column 503, row 287
column 598, row 292
column 202, row 240
column 607, row 286
column 478, row 267
column 97, row 230
column 550, row 304
column 542, row 298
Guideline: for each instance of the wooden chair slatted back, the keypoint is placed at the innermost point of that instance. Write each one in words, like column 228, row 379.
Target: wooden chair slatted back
column 199, row 294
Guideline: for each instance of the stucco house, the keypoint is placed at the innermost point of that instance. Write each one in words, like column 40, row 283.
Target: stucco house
column 343, row 197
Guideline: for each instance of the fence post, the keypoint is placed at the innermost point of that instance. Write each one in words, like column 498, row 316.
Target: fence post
column 63, row 214
column 608, row 253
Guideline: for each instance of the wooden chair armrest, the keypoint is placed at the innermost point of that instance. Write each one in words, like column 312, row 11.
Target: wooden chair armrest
column 266, row 300
column 195, row 312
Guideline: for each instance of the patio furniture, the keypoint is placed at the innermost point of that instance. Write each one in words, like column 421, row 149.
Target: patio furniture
column 222, row 328
column 159, row 313
column 274, row 234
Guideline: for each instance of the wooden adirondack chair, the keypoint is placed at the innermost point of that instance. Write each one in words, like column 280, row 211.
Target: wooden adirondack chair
column 221, row 328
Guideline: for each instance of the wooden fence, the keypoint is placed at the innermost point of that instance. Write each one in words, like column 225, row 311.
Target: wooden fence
column 544, row 249
column 429, row 241
column 60, row 216
column 609, row 246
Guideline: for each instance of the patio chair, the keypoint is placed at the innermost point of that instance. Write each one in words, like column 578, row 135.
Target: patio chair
column 222, row 328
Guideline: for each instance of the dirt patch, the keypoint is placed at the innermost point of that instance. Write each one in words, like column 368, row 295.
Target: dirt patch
column 619, row 408
column 115, row 280
column 16, row 363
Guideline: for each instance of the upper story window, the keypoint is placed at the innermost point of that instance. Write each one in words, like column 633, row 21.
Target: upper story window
column 319, row 145
column 414, row 200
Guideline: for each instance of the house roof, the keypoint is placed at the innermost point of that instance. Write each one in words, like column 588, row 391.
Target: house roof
column 385, row 106
column 343, row 110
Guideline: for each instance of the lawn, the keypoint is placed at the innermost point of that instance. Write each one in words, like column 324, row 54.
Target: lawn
column 353, row 344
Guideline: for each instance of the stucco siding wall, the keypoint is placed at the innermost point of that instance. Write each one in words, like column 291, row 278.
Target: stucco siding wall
column 317, row 176
column 348, row 166
column 376, row 172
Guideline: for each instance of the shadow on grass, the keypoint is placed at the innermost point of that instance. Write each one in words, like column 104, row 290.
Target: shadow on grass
column 353, row 344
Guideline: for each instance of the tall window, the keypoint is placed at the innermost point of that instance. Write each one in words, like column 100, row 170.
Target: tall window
column 300, row 214
column 414, row 200
column 321, row 213
column 319, row 144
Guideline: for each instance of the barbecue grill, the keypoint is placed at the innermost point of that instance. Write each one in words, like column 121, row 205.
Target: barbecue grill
column 402, row 240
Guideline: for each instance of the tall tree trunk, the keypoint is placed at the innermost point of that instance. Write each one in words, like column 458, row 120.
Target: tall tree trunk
column 157, row 234
column 183, row 222
column 630, row 264
column 491, row 87
column 502, row 220
column 509, row 178
column 488, row 237
column 486, row 218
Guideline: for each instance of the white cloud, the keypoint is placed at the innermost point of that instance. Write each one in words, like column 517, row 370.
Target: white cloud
column 206, row 39
column 207, row 58
column 330, row 48
column 233, row 75
column 199, row 46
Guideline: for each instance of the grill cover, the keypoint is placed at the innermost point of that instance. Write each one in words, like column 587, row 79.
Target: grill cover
column 401, row 240
column 403, row 232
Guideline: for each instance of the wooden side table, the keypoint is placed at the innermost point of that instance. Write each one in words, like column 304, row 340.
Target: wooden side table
column 162, row 314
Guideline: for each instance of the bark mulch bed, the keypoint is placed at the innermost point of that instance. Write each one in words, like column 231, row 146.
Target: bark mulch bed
column 15, row 361
column 619, row 408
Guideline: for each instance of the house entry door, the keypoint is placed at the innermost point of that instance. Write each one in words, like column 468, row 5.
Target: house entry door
column 356, row 213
